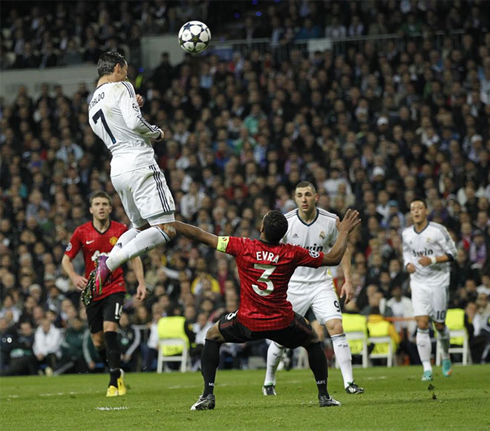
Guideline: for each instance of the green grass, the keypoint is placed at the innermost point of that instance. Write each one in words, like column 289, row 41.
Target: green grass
column 395, row 399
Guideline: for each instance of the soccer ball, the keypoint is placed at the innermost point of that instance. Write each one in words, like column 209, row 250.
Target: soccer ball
column 194, row 36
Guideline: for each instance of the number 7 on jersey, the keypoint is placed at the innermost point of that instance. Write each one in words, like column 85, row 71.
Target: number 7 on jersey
column 100, row 114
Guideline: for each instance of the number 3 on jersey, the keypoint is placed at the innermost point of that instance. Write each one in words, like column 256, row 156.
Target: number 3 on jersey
column 100, row 114
column 264, row 278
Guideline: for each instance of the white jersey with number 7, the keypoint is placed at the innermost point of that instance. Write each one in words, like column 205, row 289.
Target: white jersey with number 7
column 115, row 117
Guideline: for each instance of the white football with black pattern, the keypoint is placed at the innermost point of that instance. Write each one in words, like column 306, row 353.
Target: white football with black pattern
column 194, row 36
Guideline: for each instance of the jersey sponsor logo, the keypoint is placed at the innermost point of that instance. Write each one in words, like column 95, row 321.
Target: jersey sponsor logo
column 69, row 247
column 295, row 235
column 113, row 240
column 314, row 247
column 424, row 252
column 89, row 242
column 314, row 253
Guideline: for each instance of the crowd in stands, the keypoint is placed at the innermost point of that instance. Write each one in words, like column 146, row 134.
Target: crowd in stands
column 372, row 129
column 62, row 33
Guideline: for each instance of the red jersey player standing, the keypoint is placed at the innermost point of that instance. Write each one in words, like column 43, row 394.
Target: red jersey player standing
column 105, row 307
column 265, row 267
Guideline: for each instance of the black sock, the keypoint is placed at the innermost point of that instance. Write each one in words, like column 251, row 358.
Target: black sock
column 319, row 366
column 209, row 364
column 103, row 355
column 113, row 356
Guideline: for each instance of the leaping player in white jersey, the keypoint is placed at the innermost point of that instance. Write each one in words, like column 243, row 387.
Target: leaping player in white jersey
column 315, row 229
column 115, row 117
column 427, row 251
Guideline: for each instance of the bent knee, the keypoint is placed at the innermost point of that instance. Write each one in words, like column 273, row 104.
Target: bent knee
column 439, row 325
column 214, row 334
column 312, row 339
column 334, row 327
column 169, row 229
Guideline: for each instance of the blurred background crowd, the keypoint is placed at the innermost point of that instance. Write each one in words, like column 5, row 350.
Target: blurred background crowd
column 371, row 127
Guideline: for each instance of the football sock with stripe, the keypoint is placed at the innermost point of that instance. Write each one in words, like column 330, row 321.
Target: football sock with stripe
column 319, row 366
column 113, row 356
column 141, row 243
column 424, row 347
column 209, row 364
column 274, row 355
column 444, row 340
column 343, row 357
column 126, row 237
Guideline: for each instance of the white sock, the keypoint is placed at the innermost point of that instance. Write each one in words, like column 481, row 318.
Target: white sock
column 445, row 342
column 424, row 347
column 274, row 355
column 127, row 236
column 343, row 357
column 141, row 243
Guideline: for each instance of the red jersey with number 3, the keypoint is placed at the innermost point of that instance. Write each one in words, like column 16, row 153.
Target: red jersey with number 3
column 92, row 242
column 265, row 271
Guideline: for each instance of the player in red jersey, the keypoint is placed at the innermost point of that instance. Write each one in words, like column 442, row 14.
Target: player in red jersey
column 103, row 312
column 265, row 267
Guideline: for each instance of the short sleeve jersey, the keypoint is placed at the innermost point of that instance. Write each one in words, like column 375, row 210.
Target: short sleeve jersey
column 265, row 270
column 92, row 243
column 319, row 235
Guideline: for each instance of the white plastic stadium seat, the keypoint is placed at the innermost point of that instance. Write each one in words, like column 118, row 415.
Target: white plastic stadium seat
column 464, row 349
column 357, row 338
column 389, row 355
column 183, row 358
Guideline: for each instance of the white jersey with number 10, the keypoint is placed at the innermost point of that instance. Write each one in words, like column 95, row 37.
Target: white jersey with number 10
column 115, row 117
column 433, row 241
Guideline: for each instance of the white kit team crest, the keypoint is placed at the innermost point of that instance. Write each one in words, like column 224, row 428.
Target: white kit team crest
column 319, row 236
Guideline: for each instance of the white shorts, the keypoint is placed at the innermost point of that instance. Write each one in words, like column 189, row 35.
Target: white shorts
column 145, row 196
column 322, row 299
column 430, row 300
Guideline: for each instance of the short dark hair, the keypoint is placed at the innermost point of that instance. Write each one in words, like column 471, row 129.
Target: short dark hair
column 107, row 62
column 275, row 226
column 302, row 184
column 419, row 200
column 100, row 194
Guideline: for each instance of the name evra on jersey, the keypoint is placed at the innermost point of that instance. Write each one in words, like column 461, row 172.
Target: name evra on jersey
column 267, row 255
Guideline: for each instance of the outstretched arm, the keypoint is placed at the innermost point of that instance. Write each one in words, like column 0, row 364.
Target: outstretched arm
column 346, row 226
column 197, row 234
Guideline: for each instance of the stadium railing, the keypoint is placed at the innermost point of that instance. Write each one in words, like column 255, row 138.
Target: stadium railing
column 226, row 49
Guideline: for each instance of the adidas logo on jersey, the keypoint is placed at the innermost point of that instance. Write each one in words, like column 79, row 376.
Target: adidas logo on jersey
column 295, row 235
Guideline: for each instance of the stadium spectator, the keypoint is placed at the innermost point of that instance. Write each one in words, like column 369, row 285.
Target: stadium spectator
column 47, row 344
column 22, row 359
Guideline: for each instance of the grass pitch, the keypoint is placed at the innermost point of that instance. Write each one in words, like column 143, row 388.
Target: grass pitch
column 395, row 399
